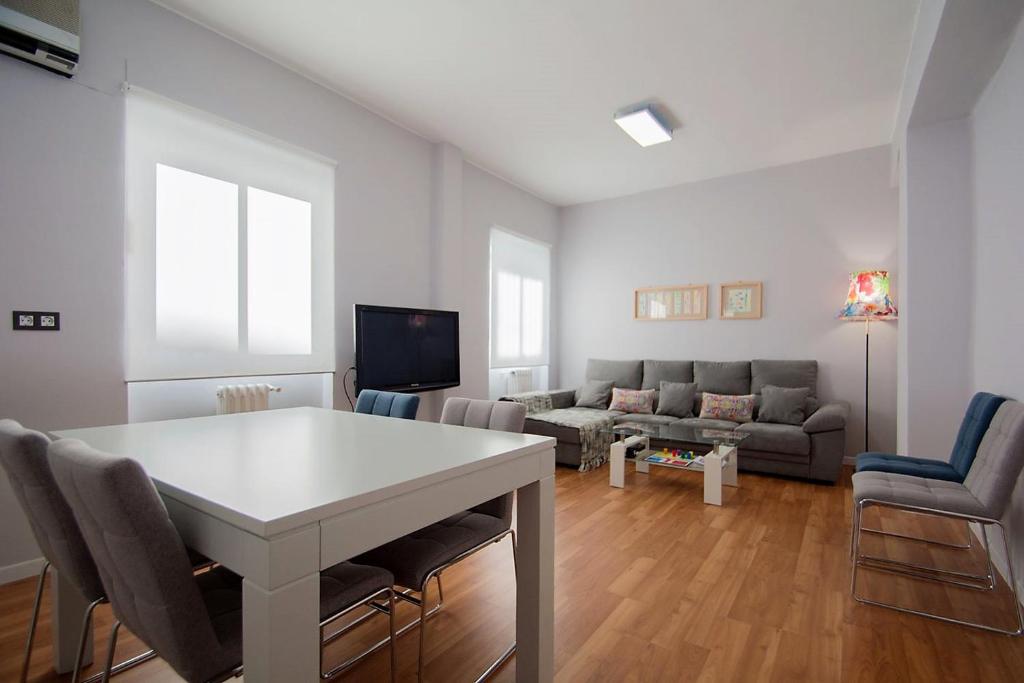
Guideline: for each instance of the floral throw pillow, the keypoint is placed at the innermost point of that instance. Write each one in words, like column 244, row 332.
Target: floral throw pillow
column 633, row 400
column 732, row 408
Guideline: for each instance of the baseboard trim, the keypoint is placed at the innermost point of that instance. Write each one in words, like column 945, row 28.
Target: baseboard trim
column 22, row 570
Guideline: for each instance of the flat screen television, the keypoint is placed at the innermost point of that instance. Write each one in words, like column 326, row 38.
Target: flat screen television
column 406, row 349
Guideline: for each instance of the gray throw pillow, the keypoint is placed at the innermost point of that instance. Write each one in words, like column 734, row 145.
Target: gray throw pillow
column 783, row 406
column 594, row 394
column 676, row 399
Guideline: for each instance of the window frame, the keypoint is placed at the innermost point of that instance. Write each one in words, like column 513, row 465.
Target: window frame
column 162, row 131
column 521, row 265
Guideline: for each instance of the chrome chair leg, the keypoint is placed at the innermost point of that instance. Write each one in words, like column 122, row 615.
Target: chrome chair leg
column 392, row 636
column 858, row 560
column 110, row 651
column 83, row 637
column 388, row 608
column 40, row 583
column 423, row 626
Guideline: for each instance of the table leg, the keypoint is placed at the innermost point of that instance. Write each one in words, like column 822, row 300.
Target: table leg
column 713, row 478
column 617, row 470
column 730, row 468
column 642, row 466
column 535, row 611
column 66, row 616
column 281, row 631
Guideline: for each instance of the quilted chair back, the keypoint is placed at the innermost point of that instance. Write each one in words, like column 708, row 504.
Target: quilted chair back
column 141, row 558
column 503, row 416
column 980, row 412
column 387, row 403
column 23, row 457
column 1000, row 458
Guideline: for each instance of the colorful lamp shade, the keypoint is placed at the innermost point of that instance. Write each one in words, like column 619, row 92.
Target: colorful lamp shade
column 868, row 298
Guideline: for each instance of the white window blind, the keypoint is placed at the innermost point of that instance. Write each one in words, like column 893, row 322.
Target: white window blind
column 229, row 248
column 520, row 296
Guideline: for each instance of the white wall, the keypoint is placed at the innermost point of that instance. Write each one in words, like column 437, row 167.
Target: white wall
column 487, row 202
column 799, row 228
column 935, row 282
column 998, row 318
column 61, row 189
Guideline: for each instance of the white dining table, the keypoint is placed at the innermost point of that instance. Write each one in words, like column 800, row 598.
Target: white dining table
column 279, row 495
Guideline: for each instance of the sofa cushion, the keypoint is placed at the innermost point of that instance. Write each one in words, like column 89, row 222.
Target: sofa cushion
column 658, row 371
column 705, row 423
column 539, row 423
column 722, row 407
column 784, row 373
column 731, row 378
column 783, row 406
column 639, row 401
column 594, row 393
column 775, row 437
column 647, row 419
column 676, row 399
column 627, row 374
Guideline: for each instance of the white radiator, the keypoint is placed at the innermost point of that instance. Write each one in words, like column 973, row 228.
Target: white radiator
column 520, row 380
column 243, row 398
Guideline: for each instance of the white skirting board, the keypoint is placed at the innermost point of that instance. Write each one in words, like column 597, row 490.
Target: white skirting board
column 22, row 570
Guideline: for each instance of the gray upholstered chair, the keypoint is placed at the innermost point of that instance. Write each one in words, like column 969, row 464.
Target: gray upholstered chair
column 193, row 621
column 982, row 498
column 23, row 457
column 423, row 555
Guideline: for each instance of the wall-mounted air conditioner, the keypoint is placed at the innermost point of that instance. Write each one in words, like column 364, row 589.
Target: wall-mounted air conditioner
column 41, row 32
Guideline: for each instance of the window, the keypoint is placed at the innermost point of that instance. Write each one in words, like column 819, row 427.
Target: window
column 229, row 249
column 520, row 292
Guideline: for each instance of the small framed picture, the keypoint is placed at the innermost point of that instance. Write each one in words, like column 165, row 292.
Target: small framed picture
column 683, row 302
column 741, row 300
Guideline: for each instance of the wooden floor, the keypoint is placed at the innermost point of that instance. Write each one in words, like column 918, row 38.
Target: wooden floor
column 653, row 585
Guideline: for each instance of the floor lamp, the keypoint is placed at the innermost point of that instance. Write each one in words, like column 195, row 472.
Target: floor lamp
column 868, row 300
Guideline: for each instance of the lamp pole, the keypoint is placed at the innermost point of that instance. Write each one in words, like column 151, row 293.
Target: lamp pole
column 867, row 376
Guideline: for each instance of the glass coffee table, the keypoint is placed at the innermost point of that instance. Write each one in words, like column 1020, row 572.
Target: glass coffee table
column 718, row 465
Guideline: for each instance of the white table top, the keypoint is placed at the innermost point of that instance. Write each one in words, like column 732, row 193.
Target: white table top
column 273, row 471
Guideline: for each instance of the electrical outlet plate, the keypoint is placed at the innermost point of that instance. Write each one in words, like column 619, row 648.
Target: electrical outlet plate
column 36, row 320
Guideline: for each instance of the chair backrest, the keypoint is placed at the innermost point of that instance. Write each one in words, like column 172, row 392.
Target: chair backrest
column 980, row 412
column 23, row 457
column 141, row 558
column 503, row 416
column 387, row 403
column 994, row 472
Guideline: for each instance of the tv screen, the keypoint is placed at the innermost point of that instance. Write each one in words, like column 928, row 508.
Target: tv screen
column 406, row 349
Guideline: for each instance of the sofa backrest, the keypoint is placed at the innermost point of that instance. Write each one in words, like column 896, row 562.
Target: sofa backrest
column 658, row 371
column 625, row 374
column 792, row 374
column 718, row 377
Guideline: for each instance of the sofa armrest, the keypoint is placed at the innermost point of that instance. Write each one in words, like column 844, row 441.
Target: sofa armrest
column 830, row 417
column 560, row 398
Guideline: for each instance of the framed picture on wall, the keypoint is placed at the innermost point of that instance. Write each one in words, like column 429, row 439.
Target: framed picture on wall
column 740, row 300
column 682, row 302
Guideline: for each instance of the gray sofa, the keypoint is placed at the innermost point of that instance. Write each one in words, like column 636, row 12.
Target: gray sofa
column 813, row 450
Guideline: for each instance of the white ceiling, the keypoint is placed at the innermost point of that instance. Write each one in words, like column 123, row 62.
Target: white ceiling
column 527, row 88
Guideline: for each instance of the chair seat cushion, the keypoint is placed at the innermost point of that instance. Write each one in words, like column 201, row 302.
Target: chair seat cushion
column 901, row 464
column 778, row 438
column 411, row 558
column 904, row 489
column 348, row 583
